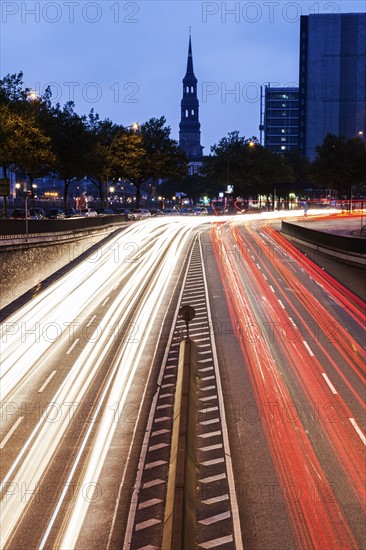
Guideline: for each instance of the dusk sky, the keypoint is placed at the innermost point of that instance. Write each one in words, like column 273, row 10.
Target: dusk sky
column 126, row 59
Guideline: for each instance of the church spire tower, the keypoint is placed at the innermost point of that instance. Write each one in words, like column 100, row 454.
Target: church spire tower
column 189, row 127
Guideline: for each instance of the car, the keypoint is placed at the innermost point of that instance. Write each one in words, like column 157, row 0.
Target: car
column 89, row 213
column 220, row 210
column 124, row 211
column 19, row 214
column 37, row 213
column 138, row 214
column 71, row 212
column 197, row 211
column 186, row 212
column 203, row 211
column 171, row 212
column 106, row 212
column 55, row 214
column 156, row 212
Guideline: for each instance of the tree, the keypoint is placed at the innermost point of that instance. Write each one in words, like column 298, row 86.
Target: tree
column 12, row 92
column 70, row 143
column 148, row 154
column 340, row 163
column 245, row 164
column 34, row 157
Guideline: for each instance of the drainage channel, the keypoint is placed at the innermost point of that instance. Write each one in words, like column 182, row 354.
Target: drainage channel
column 217, row 515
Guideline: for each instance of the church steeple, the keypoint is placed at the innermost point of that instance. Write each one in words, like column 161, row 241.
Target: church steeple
column 190, row 72
column 189, row 127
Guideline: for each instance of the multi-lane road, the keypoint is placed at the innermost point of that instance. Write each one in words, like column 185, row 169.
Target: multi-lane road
column 82, row 365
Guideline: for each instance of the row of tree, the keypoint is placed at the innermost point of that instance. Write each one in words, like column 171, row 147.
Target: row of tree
column 253, row 170
column 40, row 138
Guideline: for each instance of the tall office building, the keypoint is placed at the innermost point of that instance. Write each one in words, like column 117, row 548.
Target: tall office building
column 281, row 119
column 189, row 127
column 332, row 78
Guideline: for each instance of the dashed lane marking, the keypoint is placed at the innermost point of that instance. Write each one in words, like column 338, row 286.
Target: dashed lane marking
column 10, row 432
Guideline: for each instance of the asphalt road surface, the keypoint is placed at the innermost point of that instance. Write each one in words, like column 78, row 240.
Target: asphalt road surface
column 80, row 365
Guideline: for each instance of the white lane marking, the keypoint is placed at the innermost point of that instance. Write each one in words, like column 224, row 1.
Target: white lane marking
column 159, row 432
column 264, row 276
column 205, row 369
column 161, row 419
column 213, row 461
column 210, row 434
column 208, row 398
column 10, row 432
column 148, row 503
column 332, row 388
column 151, row 465
column 214, row 543
column 293, row 322
column 148, row 523
column 91, row 320
column 105, row 301
column 72, row 346
column 259, row 267
column 308, row 348
column 165, row 406
column 214, row 500
column 209, row 409
column 216, row 518
column 47, row 381
column 158, row 446
column 152, row 483
column 209, row 422
column 211, row 479
column 281, row 304
column 358, row 430
column 211, row 447
column 271, row 287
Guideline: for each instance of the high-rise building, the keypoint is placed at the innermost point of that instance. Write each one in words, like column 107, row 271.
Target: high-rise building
column 189, row 127
column 281, row 119
column 332, row 78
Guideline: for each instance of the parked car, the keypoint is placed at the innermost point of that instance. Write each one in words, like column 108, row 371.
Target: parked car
column 71, row 212
column 200, row 211
column 55, row 214
column 89, row 213
column 105, row 212
column 139, row 213
column 156, row 212
column 37, row 213
column 171, row 212
column 19, row 214
column 124, row 211
column 186, row 212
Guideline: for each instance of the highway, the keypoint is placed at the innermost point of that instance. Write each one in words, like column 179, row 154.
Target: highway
column 298, row 389
column 80, row 363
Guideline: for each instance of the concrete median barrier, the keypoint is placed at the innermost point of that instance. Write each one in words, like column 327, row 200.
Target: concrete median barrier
column 180, row 509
